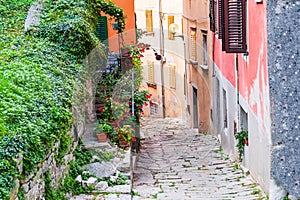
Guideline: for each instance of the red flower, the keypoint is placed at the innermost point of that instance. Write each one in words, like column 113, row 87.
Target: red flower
column 151, row 101
column 133, row 139
column 140, row 107
column 122, row 117
column 143, row 113
column 101, row 109
column 146, row 104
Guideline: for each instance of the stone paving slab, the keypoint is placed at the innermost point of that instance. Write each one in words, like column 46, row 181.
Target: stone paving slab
column 177, row 162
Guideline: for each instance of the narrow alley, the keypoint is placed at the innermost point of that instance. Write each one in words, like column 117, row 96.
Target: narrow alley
column 176, row 162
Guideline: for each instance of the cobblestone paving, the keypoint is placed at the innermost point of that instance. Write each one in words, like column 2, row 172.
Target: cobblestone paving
column 177, row 163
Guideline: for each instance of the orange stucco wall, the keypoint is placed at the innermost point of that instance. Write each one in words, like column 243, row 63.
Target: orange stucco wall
column 129, row 34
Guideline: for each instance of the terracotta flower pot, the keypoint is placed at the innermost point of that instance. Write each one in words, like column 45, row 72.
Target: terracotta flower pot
column 102, row 137
column 123, row 144
column 246, row 142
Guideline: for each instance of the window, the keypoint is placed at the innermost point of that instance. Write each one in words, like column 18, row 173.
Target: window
column 211, row 15
column 204, row 49
column 101, row 29
column 235, row 26
column 170, row 21
column 225, row 109
column 150, row 71
column 243, row 119
column 172, row 76
column 193, row 45
column 220, row 18
column 149, row 21
column 231, row 24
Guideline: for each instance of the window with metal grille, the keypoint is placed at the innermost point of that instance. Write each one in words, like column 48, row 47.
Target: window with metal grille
column 193, row 44
column 149, row 21
column 234, row 37
column 170, row 21
column 172, row 76
column 150, row 71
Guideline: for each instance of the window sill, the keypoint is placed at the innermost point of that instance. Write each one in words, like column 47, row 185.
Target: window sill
column 205, row 67
column 153, row 85
column 193, row 62
column 149, row 34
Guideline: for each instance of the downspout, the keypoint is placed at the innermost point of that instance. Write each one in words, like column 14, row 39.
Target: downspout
column 161, row 47
column 237, row 78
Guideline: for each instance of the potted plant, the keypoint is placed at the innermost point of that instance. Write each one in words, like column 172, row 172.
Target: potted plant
column 102, row 129
column 125, row 135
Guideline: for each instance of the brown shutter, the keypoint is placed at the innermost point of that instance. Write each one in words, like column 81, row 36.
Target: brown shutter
column 216, row 16
column 150, row 71
column 211, row 15
column 235, row 26
column 172, row 76
column 149, row 21
column 170, row 21
column 220, row 18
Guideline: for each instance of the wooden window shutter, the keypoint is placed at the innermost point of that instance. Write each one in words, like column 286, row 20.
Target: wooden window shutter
column 220, row 18
column 193, row 44
column 235, row 26
column 216, row 16
column 211, row 15
column 149, row 21
column 172, row 76
column 170, row 21
column 150, row 71
column 101, row 29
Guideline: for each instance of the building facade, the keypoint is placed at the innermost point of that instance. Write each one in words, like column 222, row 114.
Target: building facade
column 108, row 33
column 251, row 43
column 160, row 25
column 199, row 64
column 240, row 86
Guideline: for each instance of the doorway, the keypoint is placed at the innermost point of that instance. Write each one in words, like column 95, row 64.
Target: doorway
column 195, row 107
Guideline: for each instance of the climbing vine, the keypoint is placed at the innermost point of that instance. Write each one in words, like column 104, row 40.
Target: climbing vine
column 39, row 70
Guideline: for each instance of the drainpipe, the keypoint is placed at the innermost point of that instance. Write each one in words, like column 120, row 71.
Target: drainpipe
column 161, row 47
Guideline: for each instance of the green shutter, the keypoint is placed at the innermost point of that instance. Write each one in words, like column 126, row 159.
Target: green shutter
column 101, row 30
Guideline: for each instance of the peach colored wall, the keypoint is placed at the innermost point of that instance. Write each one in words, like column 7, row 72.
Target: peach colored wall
column 129, row 34
column 195, row 14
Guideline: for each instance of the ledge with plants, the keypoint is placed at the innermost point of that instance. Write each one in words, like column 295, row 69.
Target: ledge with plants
column 114, row 104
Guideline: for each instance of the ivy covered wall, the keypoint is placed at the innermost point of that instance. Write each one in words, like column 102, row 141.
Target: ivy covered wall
column 41, row 71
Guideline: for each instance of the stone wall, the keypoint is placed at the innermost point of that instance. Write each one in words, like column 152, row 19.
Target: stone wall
column 34, row 184
column 283, row 66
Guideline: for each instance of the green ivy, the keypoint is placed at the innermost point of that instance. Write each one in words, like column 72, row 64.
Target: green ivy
column 39, row 70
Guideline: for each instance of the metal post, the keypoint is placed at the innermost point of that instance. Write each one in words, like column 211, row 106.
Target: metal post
column 161, row 47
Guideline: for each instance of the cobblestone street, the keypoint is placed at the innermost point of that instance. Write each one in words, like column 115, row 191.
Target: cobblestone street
column 176, row 162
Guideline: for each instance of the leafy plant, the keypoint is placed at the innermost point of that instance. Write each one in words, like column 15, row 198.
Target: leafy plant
column 103, row 127
column 241, row 137
column 125, row 134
